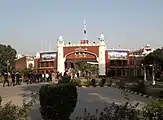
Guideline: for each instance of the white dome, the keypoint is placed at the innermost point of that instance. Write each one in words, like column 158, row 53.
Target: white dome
column 38, row 55
column 19, row 56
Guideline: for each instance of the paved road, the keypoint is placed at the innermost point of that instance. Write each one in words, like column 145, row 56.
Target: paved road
column 90, row 98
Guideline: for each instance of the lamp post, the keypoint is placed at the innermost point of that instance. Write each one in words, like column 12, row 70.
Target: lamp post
column 153, row 74
column 145, row 73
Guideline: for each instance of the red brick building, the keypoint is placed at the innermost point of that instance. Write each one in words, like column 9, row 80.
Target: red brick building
column 46, row 62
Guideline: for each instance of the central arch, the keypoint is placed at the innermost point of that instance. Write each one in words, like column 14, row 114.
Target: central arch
column 77, row 56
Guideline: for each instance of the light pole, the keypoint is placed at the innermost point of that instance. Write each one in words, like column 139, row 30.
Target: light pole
column 153, row 74
column 145, row 73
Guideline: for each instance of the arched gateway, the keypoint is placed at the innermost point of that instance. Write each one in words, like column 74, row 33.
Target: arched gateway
column 68, row 54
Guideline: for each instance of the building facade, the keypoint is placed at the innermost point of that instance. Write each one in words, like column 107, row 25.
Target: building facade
column 111, row 62
column 24, row 62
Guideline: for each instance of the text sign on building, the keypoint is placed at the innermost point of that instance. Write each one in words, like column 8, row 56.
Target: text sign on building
column 48, row 56
column 117, row 54
column 81, row 49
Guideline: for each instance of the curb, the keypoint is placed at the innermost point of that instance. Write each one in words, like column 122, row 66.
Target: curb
column 124, row 90
column 137, row 93
column 93, row 86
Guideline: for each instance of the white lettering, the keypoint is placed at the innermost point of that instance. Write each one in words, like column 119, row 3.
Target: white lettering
column 81, row 49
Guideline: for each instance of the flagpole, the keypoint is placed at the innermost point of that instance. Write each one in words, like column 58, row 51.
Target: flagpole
column 85, row 30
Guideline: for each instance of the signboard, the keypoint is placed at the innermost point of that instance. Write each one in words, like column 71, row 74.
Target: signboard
column 117, row 54
column 48, row 56
column 81, row 49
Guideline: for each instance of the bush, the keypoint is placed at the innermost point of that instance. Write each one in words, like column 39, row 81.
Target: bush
column 153, row 111
column 76, row 82
column 140, row 87
column 65, row 79
column 113, row 112
column 93, row 82
column 102, row 82
column 121, row 84
column 10, row 111
column 113, row 84
column 57, row 101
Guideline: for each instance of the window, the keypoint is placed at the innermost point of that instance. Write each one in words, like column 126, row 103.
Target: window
column 46, row 64
column 42, row 64
column 51, row 64
column 112, row 62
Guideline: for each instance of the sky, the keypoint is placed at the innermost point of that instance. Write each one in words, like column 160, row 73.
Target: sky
column 27, row 24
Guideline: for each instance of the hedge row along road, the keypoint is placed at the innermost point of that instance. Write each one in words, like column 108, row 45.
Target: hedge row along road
column 90, row 98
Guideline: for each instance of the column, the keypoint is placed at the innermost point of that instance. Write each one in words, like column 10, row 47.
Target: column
column 61, row 59
column 102, row 60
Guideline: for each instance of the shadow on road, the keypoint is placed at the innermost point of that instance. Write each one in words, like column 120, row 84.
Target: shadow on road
column 30, row 91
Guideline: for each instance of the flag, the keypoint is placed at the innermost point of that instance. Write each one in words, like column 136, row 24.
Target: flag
column 85, row 32
column 85, row 29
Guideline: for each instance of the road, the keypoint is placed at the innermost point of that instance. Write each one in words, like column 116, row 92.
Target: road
column 90, row 98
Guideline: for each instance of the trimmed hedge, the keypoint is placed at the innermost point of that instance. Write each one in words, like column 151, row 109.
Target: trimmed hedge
column 57, row 101
column 65, row 79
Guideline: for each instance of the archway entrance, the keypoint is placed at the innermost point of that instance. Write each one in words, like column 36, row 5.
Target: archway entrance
column 82, row 63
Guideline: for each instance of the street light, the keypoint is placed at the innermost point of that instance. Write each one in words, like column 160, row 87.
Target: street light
column 153, row 74
column 145, row 73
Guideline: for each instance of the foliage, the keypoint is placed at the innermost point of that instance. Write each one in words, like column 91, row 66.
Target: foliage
column 84, row 66
column 7, row 54
column 121, row 84
column 93, row 82
column 65, row 79
column 57, row 101
column 113, row 111
column 25, row 72
column 76, row 82
column 139, row 87
column 153, row 111
column 156, row 58
column 10, row 111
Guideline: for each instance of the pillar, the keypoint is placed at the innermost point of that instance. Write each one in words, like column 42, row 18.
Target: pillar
column 60, row 57
column 102, row 56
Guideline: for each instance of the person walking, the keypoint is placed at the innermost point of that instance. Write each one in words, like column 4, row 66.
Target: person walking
column 17, row 78
column 13, row 79
column 29, row 78
column 5, row 79
column 47, row 76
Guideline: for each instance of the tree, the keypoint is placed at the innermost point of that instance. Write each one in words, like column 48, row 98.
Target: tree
column 7, row 57
column 155, row 58
column 84, row 66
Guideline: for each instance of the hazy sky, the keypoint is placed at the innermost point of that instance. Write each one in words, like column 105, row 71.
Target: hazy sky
column 25, row 24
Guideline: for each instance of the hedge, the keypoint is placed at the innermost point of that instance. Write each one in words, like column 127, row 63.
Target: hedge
column 57, row 101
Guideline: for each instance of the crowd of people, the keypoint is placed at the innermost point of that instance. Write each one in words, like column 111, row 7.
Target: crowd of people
column 16, row 78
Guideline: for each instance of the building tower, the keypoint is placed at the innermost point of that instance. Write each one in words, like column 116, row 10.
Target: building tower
column 61, row 59
column 102, row 60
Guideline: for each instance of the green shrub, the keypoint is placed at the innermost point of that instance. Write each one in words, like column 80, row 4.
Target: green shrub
column 93, row 82
column 140, row 86
column 65, row 79
column 153, row 111
column 87, row 83
column 121, row 84
column 113, row 111
column 102, row 82
column 113, row 84
column 57, row 101
column 10, row 111
column 76, row 82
